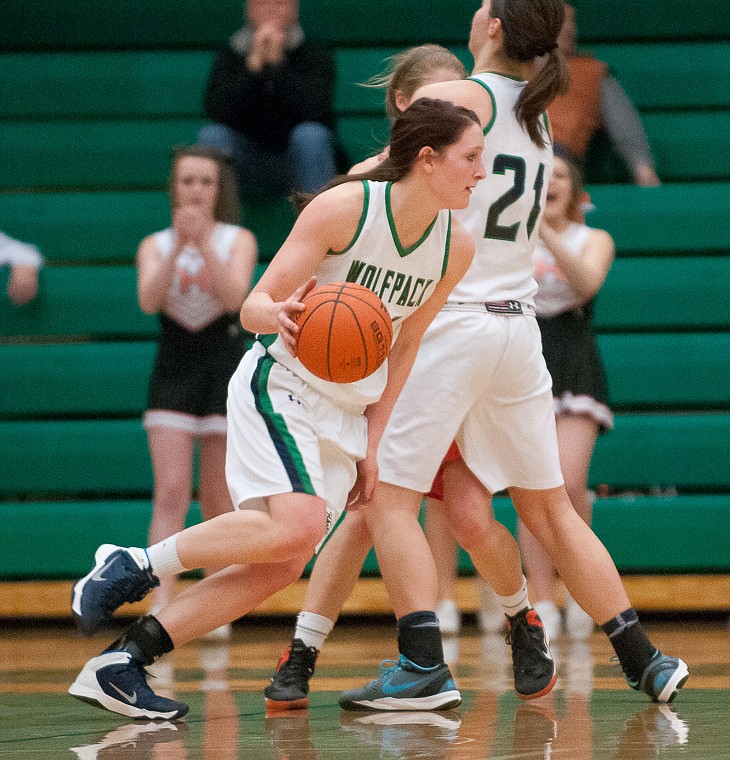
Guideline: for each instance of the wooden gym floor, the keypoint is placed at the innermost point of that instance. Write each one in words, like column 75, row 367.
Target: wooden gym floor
column 591, row 715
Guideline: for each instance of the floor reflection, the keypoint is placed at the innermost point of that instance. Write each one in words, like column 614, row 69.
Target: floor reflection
column 136, row 740
column 590, row 715
column 405, row 734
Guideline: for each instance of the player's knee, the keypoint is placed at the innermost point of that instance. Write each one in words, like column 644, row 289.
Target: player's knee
column 544, row 511
column 300, row 536
column 357, row 527
column 475, row 534
column 291, row 571
column 471, row 527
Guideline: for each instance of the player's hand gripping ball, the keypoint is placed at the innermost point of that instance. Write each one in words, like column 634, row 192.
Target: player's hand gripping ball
column 345, row 332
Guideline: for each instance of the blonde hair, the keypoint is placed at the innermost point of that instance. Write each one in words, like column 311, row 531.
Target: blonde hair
column 411, row 69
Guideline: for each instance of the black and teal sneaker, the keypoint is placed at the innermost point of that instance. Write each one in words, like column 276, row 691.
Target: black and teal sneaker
column 403, row 685
column 119, row 575
column 662, row 678
column 115, row 681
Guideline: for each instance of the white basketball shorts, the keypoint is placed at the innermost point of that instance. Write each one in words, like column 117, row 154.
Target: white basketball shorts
column 284, row 437
column 480, row 379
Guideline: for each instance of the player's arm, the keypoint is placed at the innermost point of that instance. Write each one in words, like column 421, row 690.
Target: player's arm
column 403, row 354
column 462, row 92
column 328, row 223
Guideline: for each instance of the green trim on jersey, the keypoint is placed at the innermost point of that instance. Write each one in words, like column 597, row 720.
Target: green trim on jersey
column 266, row 340
column 447, row 248
column 394, row 233
column 361, row 223
column 283, row 440
column 494, row 102
column 547, row 126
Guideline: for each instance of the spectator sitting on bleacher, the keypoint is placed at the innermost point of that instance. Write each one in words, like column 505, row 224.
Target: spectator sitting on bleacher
column 595, row 100
column 24, row 261
column 270, row 99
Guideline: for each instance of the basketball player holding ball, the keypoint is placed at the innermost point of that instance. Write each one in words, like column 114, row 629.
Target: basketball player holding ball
column 480, row 379
column 299, row 447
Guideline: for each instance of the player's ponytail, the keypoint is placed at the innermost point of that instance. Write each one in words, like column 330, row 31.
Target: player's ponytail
column 530, row 30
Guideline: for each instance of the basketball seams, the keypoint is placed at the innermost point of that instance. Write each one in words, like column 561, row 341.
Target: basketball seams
column 329, row 330
column 342, row 346
column 363, row 339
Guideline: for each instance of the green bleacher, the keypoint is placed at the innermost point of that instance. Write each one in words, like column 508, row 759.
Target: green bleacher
column 93, row 95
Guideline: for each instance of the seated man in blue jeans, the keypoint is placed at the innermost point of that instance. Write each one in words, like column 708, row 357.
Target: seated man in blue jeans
column 270, row 100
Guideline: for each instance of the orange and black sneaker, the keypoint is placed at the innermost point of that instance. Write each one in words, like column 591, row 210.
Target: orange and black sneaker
column 289, row 688
column 532, row 663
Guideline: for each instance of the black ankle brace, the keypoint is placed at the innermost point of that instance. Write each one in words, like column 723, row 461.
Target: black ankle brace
column 146, row 640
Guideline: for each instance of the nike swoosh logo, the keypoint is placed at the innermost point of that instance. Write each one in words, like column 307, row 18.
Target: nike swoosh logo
column 131, row 699
column 389, row 689
column 97, row 576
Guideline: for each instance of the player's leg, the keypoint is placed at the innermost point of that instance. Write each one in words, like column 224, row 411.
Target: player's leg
column 124, row 575
column 404, row 559
column 496, row 556
column 576, row 439
column 335, row 574
column 468, row 509
column 116, row 680
column 420, row 680
column 171, row 452
column 593, row 581
column 444, row 550
column 577, row 436
column 515, row 425
column 424, row 422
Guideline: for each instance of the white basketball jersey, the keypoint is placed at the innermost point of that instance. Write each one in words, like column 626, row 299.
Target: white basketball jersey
column 189, row 302
column 506, row 207
column 403, row 278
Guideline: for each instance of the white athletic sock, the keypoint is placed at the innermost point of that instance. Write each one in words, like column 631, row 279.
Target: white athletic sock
column 163, row 558
column 516, row 602
column 313, row 629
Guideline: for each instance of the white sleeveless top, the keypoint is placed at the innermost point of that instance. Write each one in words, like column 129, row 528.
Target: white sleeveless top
column 188, row 301
column 554, row 295
column 402, row 278
column 505, row 209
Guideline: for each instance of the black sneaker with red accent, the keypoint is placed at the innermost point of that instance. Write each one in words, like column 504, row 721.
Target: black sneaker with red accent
column 532, row 663
column 289, row 688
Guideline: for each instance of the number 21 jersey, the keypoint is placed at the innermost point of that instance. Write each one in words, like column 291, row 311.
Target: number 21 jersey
column 505, row 210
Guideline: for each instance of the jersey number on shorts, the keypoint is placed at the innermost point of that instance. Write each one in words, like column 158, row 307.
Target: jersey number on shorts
column 515, row 164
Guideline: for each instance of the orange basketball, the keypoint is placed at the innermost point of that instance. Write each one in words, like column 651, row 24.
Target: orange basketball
column 344, row 333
